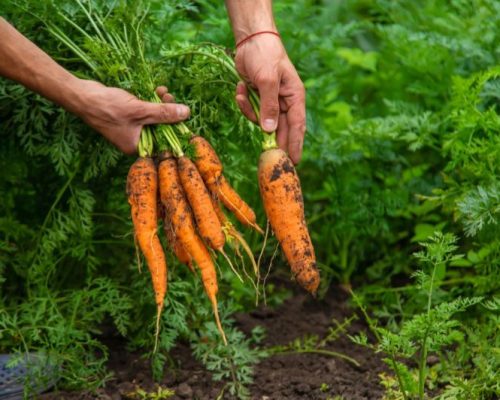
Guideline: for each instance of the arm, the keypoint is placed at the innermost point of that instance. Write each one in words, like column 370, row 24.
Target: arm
column 115, row 113
column 262, row 61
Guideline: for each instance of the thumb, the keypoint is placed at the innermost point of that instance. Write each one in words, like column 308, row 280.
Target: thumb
column 164, row 113
column 269, row 105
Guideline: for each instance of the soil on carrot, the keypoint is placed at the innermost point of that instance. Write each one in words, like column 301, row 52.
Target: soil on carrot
column 281, row 376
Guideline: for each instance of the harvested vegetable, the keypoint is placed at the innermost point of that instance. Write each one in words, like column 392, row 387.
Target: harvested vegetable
column 201, row 204
column 179, row 212
column 211, row 170
column 282, row 197
column 232, row 200
column 142, row 189
column 207, row 161
column 180, row 252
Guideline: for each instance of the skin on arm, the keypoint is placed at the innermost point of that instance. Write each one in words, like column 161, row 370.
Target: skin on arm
column 264, row 64
column 116, row 114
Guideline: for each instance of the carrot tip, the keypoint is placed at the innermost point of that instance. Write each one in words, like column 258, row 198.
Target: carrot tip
column 258, row 228
column 217, row 320
column 157, row 330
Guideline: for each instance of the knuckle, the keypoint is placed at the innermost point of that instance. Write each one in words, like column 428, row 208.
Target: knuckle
column 265, row 80
column 137, row 112
column 166, row 114
column 272, row 107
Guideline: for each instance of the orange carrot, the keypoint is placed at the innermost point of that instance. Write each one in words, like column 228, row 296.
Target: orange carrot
column 211, row 169
column 206, row 160
column 232, row 200
column 201, row 204
column 177, row 207
column 142, row 189
column 284, row 206
column 174, row 243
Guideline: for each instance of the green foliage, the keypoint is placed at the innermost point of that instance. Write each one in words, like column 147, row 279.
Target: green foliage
column 403, row 141
column 425, row 332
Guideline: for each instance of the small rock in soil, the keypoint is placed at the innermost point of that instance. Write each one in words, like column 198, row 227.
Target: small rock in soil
column 198, row 394
column 331, row 366
column 184, row 391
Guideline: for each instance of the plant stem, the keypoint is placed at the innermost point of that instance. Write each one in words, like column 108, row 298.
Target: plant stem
column 323, row 352
column 269, row 139
column 398, row 375
column 423, row 348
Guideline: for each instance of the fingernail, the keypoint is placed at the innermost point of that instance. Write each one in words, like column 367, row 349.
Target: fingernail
column 182, row 111
column 269, row 124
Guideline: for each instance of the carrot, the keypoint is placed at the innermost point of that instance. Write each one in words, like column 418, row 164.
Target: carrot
column 284, row 206
column 211, row 169
column 180, row 252
column 177, row 208
column 142, row 188
column 206, row 160
column 232, row 200
column 201, row 204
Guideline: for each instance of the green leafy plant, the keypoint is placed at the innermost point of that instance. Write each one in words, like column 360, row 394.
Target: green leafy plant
column 426, row 332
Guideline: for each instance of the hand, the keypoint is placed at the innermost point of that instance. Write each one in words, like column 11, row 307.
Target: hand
column 263, row 63
column 119, row 116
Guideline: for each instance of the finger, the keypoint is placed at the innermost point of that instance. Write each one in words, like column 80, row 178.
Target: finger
column 296, row 118
column 268, row 87
column 244, row 103
column 165, row 113
column 282, row 133
column 129, row 146
column 168, row 98
column 161, row 90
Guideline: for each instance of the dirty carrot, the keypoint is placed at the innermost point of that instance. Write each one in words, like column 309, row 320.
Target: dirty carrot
column 177, row 207
column 201, row 204
column 284, row 206
column 180, row 252
column 142, row 189
column 211, row 170
column 206, row 160
column 232, row 200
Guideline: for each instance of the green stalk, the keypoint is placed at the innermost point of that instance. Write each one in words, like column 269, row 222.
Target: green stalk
column 269, row 139
column 422, row 370
column 145, row 147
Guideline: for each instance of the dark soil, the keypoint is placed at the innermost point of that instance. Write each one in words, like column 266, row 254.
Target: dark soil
column 282, row 376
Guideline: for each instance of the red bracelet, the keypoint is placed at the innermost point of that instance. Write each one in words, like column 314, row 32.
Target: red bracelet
column 255, row 34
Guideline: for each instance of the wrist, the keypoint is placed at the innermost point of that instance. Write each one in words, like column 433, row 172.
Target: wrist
column 253, row 35
column 241, row 33
column 248, row 17
column 78, row 98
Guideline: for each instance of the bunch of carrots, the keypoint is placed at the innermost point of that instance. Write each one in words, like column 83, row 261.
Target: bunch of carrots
column 188, row 194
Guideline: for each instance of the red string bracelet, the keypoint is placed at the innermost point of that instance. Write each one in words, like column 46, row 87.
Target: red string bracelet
column 255, row 34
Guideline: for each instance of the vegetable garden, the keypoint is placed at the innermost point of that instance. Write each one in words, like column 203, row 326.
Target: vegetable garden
column 399, row 186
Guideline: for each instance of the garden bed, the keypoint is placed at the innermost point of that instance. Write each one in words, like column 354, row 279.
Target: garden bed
column 280, row 376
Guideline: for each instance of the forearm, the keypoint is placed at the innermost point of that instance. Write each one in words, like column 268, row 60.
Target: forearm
column 250, row 16
column 22, row 61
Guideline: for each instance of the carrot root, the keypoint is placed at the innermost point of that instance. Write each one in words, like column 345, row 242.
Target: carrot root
column 282, row 197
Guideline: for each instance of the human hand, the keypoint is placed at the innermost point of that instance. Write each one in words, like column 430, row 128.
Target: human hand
column 262, row 61
column 120, row 116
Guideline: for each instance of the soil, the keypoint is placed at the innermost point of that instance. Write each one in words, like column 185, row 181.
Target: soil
column 281, row 376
